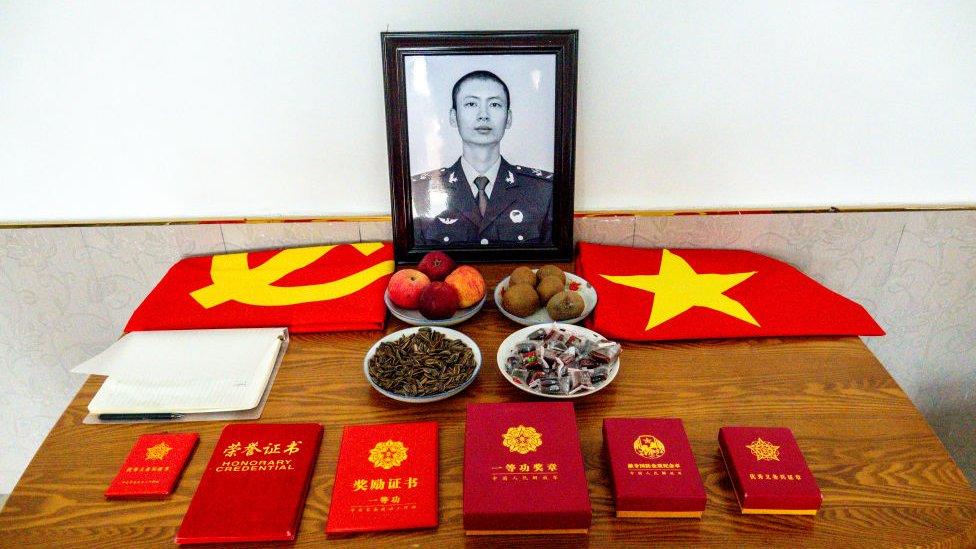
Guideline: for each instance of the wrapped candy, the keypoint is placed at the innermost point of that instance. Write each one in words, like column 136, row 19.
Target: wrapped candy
column 556, row 361
column 606, row 352
column 599, row 375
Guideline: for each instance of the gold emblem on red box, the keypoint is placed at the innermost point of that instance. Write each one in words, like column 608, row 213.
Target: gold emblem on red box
column 522, row 439
column 648, row 446
column 158, row 452
column 388, row 454
column 763, row 450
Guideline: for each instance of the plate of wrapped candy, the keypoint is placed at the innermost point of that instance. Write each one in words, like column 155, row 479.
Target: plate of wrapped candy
column 536, row 296
column 558, row 360
column 422, row 364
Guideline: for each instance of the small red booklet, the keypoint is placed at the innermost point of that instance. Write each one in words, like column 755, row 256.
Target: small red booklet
column 523, row 470
column 768, row 471
column 386, row 479
column 653, row 470
column 255, row 484
column 153, row 466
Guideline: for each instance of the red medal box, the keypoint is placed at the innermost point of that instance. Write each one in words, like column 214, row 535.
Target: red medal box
column 153, row 466
column 653, row 469
column 386, row 479
column 768, row 471
column 255, row 484
column 523, row 470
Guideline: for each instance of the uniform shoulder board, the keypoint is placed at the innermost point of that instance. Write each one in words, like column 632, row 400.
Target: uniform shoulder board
column 432, row 175
column 534, row 172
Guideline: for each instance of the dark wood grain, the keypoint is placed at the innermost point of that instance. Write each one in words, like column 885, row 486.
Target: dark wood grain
column 886, row 479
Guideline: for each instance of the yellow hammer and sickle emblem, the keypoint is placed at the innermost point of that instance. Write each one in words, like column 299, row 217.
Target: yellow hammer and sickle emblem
column 233, row 280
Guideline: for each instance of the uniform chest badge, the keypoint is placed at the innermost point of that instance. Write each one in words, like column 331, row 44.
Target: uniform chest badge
column 447, row 220
column 516, row 216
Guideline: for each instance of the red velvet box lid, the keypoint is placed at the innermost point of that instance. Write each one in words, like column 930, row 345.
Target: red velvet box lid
column 523, row 470
column 153, row 466
column 768, row 471
column 386, row 478
column 653, row 469
column 255, row 484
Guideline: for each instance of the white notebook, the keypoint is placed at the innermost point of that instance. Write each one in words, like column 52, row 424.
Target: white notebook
column 185, row 371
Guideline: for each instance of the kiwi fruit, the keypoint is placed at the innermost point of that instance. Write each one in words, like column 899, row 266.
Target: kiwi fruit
column 523, row 275
column 552, row 270
column 548, row 287
column 520, row 299
column 565, row 305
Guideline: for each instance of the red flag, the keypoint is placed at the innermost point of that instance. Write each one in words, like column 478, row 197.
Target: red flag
column 315, row 289
column 662, row 294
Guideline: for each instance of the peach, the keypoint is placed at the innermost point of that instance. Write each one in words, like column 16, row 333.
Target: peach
column 469, row 283
column 406, row 286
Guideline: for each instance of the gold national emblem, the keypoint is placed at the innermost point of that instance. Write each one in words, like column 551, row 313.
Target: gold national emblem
column 764, row 450
column 388, row 454
column 648, row 446
column 157, row 452
column 522, row 439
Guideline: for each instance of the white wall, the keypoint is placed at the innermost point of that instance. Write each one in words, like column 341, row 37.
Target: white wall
column 130, row 110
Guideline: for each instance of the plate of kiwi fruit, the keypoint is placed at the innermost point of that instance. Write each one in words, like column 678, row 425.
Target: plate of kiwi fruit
column 535, row 296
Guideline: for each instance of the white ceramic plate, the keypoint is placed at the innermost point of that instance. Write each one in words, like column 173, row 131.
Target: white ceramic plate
column 586, row 291
column 507, row 349
column 414, row 318
column 450, row 334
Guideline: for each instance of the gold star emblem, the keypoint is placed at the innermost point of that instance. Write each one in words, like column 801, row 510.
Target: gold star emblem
column 764, row 450
column 388, row 454
column 157, row 452
column 522, row 439
column 648, row 446
column 677, row 288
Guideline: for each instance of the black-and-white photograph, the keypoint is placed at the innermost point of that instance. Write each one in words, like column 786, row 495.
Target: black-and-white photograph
column 481, row 142
column 481, row 148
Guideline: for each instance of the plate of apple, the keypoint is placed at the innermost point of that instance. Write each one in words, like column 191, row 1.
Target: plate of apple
column 437, row 293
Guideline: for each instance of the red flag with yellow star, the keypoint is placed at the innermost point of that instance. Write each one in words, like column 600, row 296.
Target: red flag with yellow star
column 313, row 289
column 662, row 294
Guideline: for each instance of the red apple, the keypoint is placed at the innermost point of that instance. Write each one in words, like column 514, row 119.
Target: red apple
column 436, row 265
column 406, row 286
column 438, row 301
column 469, row 283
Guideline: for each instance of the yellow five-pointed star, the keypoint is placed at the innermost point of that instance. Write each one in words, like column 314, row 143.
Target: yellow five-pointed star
column 677, row 288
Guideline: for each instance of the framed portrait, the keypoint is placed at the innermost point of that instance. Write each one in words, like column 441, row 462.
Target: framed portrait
column 481, row 137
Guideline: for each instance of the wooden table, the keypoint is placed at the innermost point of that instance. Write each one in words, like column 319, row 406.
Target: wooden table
column 886, row 479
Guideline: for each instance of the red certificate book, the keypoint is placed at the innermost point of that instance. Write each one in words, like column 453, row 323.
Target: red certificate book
column 255, row 484
column 386, row 479
column 153, row 466
column 653, row 470
column 523, row 470
column 768, row 471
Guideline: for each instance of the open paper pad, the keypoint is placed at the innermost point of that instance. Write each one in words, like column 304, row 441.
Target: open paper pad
column 185, row 371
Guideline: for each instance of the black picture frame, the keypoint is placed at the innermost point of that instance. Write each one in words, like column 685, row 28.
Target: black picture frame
column 397, row 46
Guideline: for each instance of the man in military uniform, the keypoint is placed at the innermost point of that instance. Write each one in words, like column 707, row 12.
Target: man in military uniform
column 482, row 199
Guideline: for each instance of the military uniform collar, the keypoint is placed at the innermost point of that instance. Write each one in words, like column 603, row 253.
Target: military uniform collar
column 470, row 172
